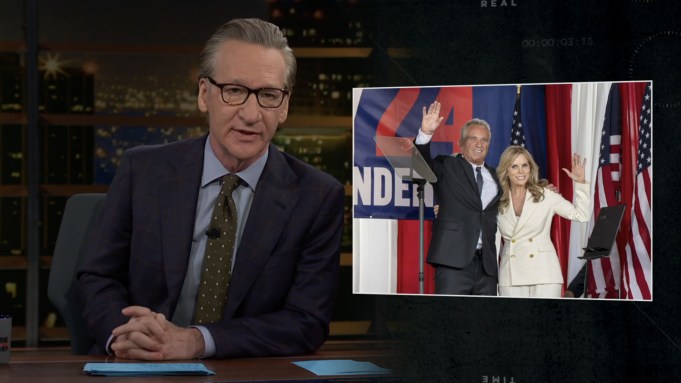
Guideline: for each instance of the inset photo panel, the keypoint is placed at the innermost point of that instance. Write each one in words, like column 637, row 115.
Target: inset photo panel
column 515, row 190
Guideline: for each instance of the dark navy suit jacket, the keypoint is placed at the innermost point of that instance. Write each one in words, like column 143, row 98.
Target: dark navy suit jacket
column 285, row 275
column 461, row 216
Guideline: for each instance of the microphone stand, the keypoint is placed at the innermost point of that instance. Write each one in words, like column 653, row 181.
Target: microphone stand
column 419, row 192
column 402, row 154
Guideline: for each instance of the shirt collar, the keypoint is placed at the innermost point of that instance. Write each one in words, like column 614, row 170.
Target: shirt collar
column 476, row 166
column 213, row 169
column 469, row 163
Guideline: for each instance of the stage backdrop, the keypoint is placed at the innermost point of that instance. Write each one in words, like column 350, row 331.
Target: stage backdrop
column 600, row 121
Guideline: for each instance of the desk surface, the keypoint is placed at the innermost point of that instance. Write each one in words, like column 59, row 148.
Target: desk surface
column 44, row 365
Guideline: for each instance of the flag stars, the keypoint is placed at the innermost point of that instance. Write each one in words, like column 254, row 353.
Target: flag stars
column 640, row 162
column 517, row 134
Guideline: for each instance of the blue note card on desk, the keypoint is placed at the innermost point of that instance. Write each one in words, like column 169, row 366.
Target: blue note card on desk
column 341, row 367
column 146, row 369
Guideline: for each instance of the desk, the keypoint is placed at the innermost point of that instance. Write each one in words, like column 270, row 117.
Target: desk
column 44, row 365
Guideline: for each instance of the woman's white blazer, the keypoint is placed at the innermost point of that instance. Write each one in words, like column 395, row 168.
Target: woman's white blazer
column 528, row 256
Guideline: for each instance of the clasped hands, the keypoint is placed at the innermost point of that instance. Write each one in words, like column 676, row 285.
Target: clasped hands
column 150, row 336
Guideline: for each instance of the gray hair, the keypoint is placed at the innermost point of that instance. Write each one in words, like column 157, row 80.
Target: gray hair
column 475, row 121
column 253, row 31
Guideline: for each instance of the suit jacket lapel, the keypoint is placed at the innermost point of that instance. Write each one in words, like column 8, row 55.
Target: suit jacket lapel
column 529, row 207
column 179, row 190
column 468, row 171
column 508, row 219
column 273, row 203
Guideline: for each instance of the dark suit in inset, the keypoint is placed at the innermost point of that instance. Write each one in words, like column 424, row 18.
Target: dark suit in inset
column 460, row 218
column 284, row 280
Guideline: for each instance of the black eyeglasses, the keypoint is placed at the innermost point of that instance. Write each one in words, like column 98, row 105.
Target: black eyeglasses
column 234, row 94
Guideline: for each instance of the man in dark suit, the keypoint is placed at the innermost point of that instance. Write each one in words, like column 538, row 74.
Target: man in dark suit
column 141, row 281
column 462, row 247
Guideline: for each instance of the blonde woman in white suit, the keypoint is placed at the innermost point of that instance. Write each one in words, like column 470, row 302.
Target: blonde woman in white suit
column 528, row 266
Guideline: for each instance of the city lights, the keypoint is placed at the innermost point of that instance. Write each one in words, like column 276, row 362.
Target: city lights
column 52, row 65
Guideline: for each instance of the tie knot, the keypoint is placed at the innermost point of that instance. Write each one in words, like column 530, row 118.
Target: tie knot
column 477, row 169
column 230, row 182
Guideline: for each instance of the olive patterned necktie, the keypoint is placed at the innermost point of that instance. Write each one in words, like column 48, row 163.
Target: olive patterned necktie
column 217, row 261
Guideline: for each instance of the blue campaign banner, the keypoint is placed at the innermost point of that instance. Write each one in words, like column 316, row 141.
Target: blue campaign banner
column 378, row 190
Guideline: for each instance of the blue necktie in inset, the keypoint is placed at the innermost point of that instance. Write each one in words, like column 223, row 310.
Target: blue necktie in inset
column 478, row 179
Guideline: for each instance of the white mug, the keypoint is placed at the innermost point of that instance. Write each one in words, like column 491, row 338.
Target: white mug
column 5, row 337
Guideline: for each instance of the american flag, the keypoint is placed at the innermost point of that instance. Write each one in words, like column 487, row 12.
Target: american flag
column 636, row 268
column 517, row 132
column 604, row 273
